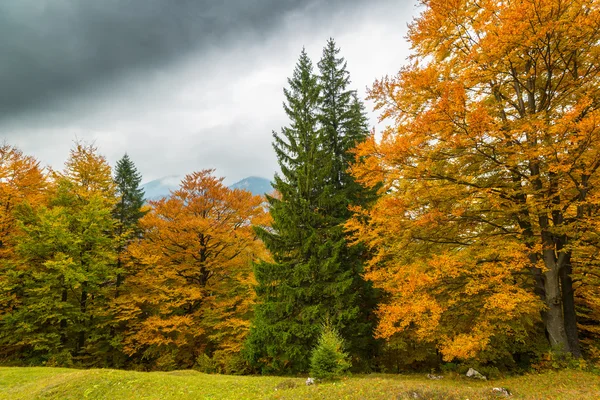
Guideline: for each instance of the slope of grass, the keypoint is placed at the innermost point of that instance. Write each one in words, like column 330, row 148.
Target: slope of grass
column 61, row 383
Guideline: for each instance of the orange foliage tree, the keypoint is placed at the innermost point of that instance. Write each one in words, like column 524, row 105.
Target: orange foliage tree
column 490, row 177
column 190, row 285
column 65, row 255
column 22, row 180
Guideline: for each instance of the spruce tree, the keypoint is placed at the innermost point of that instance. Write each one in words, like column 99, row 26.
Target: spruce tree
column 128, row 210
column 286, row 322
column 127, row 213
column 343, row 124
column 314, row 275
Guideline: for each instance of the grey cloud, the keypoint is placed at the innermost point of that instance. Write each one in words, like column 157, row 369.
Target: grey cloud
column 53, row 48
column 176, row 94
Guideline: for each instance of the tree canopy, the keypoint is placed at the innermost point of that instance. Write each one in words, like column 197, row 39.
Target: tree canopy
column 489, row 172
column 315, row 274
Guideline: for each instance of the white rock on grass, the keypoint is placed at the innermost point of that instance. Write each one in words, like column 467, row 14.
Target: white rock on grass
column 502, row 391
column 471, row 373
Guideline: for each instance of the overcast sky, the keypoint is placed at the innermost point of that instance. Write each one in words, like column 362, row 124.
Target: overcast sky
column 180, row 85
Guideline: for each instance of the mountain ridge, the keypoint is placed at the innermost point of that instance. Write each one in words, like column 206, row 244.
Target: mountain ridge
column 161, row 187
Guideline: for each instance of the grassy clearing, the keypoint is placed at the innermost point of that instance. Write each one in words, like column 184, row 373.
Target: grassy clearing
column 61, row 383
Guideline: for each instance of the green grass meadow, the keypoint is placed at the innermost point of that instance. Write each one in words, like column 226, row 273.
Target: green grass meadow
column 61, row 383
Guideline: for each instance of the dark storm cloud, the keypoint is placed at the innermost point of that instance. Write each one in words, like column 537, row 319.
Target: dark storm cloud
column 179, row 85
column 50, row 49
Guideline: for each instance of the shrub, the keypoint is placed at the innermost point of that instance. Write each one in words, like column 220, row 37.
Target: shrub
column 328, row 360
column 230, row 363
column 205, row 364
column 555, row 360
column 166, row 362
column 448, row 367
column 62, row 359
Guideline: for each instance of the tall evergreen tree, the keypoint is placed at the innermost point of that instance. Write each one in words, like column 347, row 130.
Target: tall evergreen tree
column 334, row 112
column 285, row 326
column 127, row 212
column 313, row 276
column 343, row 124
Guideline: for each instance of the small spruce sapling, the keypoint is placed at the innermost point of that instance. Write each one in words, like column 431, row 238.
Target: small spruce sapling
column 328, row 360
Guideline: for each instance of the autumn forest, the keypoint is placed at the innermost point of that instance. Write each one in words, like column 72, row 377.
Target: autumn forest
column 464, row 233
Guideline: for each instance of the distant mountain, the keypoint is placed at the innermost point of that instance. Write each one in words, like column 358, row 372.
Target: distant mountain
column 254, row 184
column 161, row 187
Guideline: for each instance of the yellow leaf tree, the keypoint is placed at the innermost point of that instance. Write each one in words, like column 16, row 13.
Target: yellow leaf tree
column 190, row 285
column 65, row 249
column 22, row 180
column 490, row 176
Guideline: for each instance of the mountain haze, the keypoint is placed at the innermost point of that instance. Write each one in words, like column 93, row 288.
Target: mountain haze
column 254, row 184
column 161, row 187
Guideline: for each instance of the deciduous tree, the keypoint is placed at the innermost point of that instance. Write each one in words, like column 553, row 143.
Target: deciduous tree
column 490, row 174
column 66, row 251
column 190, row 291
column 22, row 181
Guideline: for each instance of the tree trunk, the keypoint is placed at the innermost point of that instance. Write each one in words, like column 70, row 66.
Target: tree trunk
column 119, row 276
column 83, row 307
column 63, row 321
column 568, row 298
column 555, row 323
